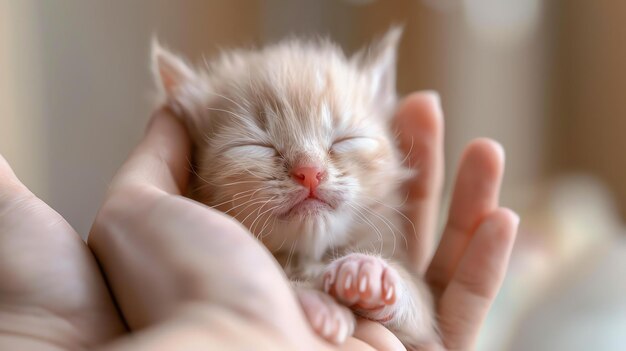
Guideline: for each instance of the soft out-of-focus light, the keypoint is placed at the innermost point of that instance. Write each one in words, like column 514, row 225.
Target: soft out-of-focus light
column 359, row 2
column 502, row 20
column 440, row 5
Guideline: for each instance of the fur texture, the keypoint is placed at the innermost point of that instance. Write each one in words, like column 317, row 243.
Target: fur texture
column 257, row 115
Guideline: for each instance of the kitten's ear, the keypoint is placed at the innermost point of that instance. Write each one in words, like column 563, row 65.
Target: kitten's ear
column 170, row 71
column 378, row 62
column 181, row 88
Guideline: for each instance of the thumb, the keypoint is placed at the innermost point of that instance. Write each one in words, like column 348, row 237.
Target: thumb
column 161, row 160
column 9, row 183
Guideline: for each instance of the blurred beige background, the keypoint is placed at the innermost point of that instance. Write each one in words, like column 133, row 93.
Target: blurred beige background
column 76, row 91
column 546, row 79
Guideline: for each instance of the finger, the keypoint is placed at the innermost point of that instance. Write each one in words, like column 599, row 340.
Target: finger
column 161, row 159
column 419, row 121
column 475, row 195
column 354, row 344
column 9, row 183
column 377, row 336
column 466, row 300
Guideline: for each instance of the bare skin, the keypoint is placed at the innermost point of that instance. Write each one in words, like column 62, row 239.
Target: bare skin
column 180, row 272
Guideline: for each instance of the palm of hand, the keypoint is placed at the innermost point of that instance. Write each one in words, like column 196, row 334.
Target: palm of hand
column 51, row 289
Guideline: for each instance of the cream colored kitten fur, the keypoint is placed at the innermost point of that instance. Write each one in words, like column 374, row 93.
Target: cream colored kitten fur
column 294, row 141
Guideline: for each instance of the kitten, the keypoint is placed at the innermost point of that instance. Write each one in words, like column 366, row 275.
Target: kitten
column 294, row 141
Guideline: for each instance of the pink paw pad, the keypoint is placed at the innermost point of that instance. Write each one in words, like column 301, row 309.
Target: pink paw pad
column 365, row 283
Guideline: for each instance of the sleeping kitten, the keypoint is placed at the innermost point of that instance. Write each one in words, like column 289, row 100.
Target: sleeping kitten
column 294, row 141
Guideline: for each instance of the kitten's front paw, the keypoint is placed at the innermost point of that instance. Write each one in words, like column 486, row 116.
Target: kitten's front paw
column 366, row 284
column 329, row 319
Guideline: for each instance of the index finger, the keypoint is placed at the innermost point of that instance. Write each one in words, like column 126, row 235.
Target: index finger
column 161, row 160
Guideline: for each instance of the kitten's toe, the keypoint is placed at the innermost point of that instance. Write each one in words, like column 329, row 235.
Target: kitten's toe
column 390, row 283
column 365, row 283
column 330, row 320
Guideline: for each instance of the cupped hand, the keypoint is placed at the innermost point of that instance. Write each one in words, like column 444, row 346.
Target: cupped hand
column 465, row 273
column 175, row 262
column 185, row 276
column 469, row 264
column 52, row 295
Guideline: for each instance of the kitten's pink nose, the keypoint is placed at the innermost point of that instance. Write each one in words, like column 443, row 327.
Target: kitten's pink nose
column 308, row 176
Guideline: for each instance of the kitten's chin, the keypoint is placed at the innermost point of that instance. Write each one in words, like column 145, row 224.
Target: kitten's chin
column 309, row 207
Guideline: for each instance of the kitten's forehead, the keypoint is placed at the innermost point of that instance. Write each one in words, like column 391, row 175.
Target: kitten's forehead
column 300, row 97
column 312, row 92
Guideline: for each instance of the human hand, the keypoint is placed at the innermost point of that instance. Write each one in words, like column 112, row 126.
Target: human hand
column 184, row 276
column 467, row 269
column 52, row 295
column 157, row 291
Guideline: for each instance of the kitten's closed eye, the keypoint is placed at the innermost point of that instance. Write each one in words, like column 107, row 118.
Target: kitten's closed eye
column 255, row 150
column 358, row 143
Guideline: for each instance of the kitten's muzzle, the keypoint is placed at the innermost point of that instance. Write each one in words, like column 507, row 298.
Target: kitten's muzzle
column 308, row 176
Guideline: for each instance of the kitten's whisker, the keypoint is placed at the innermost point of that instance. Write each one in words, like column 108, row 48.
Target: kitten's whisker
column 415, row 234
column 242, row 182
column 253, row 174
column 375, row 215
column 203, row 186
column 231, row 199
column 363, row 222
column 251, row 195
column 252, row 226
column 266, row 223
column 387, row 222
column 379, row 235
column 408, row 153
column 284, row 236
column 248, row 206
column 257, row 210
column 246, row 202
column 382, row 203
column 250, row 202
column 291, row 252
column 200, row 177
column 331, row 240
column 234, row 197
column 248, row 196
column 243, row 193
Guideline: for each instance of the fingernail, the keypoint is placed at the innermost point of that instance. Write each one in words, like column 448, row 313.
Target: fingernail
column 341, row 333
column 516, row 218
column 494, row 223
column 326, row 329
column 348, row 283
column 436, row 98
column 499, row 149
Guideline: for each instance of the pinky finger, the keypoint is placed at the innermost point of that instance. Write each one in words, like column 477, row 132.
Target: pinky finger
column 467, row 299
